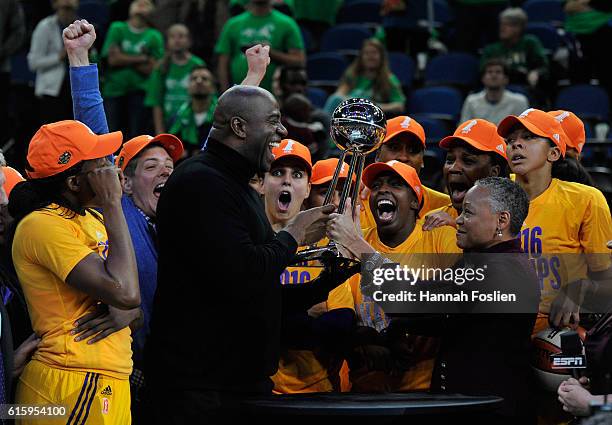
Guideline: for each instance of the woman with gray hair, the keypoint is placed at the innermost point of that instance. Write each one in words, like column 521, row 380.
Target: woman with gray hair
column 488, row 353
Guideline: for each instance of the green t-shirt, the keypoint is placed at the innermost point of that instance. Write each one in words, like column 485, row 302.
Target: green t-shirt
column 586, row 22
column 121, row 81
column 245, row 30
column 185, row 126
column 526, row 55
column 364, row 87
column 315, row 10
column 170, row 89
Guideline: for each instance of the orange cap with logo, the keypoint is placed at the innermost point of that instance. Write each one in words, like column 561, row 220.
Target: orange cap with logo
column 289, row 148
column 404, row 124
column 573, row 128
column 60, row 145
column 324, row 170
column 478, row 133
column 539, row 123
column 12, row 178
column 133, row 147
column 406, row 172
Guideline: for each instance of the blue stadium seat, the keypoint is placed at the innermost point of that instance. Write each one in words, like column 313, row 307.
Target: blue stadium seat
column 403, row 67
column 547, row 34
column 459, row 69
column 325, row 69
column 308, row 40
column 362, row 11
column 97, row 12
column 434, row 128
column 415, row 15
column 545, row 11
column 437, row 103
column 345, row 39
column 20, row 71
column 586, row 101
column 317, row 96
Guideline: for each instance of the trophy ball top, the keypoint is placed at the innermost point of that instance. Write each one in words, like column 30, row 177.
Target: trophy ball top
column 358, row 125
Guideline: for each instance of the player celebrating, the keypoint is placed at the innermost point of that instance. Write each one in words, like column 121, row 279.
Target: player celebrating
column 564, row 218
column 68, row 258
column 404, row 142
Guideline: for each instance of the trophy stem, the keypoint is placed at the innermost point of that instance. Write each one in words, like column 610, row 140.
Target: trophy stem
column 334, row 181
column 347, row 186
column 355, row 194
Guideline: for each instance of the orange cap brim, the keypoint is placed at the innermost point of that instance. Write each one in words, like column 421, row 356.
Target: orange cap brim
column 297, row 157
column 373, row 170
column 392, row 134
column 508, row 123
column 108, row 144
column 447, row 143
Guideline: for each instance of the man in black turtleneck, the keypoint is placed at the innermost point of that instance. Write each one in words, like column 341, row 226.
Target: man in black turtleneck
column 215, row 333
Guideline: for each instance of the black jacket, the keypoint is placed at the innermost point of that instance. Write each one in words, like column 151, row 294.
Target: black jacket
column 216, row 321
column 485, row 354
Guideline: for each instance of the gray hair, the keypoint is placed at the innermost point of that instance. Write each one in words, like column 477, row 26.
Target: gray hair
column 506, row 195
column 2, row 159
column 515, row 15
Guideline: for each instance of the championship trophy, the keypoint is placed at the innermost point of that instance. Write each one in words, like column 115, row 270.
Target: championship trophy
column 358, row 127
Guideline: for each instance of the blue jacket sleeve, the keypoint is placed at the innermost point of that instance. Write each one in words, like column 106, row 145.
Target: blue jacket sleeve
column 87, row 101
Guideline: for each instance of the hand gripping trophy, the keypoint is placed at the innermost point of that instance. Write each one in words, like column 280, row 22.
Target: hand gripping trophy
column 358, row 127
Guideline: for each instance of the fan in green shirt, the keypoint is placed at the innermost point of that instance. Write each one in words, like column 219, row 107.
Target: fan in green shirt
column 194, row 117
column 167, row 88
column 369, row 77
column 259, row 25
column 523, row 53
column 131, row 49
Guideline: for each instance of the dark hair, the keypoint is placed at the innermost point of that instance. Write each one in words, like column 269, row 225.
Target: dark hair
column 570, row 170
column 494, row 62
column 130, row 168
column 285, row 70
column 34, row 194
column 507, row 195
column 496, row 159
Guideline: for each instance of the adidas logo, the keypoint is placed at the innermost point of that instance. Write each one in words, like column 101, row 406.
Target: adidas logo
column 556, row 136
column 500, row 148
column 107, row 391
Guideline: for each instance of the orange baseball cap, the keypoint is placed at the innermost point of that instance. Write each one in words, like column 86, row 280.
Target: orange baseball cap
column 404, row 124
column 573, row 128
column 539, row 123
column 12, row 178
column 323, row 171
column 405, row 171
column 133, row 147
column 290, row 148
column 481, row 134
column 60, row 145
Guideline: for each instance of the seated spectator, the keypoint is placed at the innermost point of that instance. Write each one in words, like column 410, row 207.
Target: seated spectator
column 294, row 80
column 47, row 58
column 296, row 113
column 588, row 21
column 369, row 77
column 131, row 50
column 168, row 86
column 260, row 24
column 523, row 53
column 194, row 118
column 494, row 103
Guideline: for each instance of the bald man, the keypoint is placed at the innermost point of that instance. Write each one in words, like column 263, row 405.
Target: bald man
column 216, row 329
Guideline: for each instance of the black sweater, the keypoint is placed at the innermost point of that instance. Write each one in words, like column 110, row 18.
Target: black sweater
column 216, row 321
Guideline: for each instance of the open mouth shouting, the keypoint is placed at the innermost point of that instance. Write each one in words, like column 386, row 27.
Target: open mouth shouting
column 284, row 201
column 157, row 189
column 386, row 210
column 457, row 191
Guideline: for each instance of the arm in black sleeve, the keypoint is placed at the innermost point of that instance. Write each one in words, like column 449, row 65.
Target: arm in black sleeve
column 301, row 297
column 333, row 329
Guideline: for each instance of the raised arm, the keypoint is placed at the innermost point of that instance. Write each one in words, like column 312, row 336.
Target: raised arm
column 87, row 101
